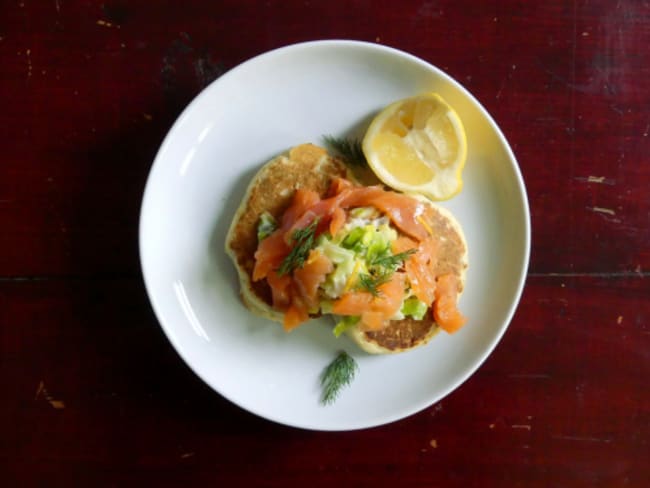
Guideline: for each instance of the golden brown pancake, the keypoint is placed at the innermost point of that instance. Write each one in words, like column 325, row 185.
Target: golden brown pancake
column 402, row 335
column 272, row 189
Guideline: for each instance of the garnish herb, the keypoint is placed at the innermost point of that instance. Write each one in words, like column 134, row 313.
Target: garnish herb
column 371, row 282
column 338, row 374
column 392, row 260
column 303, row 242
column 382, row 268
column 349, row 149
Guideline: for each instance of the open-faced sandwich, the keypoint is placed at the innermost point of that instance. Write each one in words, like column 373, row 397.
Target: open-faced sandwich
column 309, row 240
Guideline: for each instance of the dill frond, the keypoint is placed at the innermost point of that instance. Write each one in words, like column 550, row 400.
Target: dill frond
column 303, row 242
column 339, row 373
column 370, row 283
column 392, row 260
column 349, row 149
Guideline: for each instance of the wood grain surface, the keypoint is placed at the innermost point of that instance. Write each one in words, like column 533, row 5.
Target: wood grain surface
column 94, row 395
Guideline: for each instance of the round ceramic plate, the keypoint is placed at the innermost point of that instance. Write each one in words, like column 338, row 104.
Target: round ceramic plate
column 256, row 111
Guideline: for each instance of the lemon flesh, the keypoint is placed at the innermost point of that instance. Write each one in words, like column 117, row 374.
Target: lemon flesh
column 418, row 145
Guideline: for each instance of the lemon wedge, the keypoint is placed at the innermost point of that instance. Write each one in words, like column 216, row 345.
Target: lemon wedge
column 418, row 145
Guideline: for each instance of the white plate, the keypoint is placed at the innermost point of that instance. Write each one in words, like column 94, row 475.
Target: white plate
column 257, row 110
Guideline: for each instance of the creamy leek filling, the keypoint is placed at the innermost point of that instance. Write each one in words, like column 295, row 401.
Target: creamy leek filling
column 364, row 239
column 358, row 250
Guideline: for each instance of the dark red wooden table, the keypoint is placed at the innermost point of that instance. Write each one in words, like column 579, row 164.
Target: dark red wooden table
column 92, row 394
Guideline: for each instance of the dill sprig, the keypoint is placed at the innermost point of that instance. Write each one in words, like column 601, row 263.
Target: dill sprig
column 392, row 260
column 349, row 149
column 303, row 242
column 382, row 268
column 370, row 282
column 339, row 373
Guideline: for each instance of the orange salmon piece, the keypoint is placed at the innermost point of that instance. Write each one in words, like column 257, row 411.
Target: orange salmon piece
column 371, row 320
column 302, row 201
column 360, row 196
column 338, row 185
column 420, row 266
column 352, row 303
column 403, row 211
column 295, row 315
column 272, row 250
column 375, row 311
column 445, row 309
column 280, row 289
column 338, row 220
column 312, row 275
column 269, row 255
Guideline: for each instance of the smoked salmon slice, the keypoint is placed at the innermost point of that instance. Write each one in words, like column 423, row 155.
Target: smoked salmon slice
column 311, row 276
column 445, row 311
column 269, row 255
column 296, row 314
column 297, row 292
column 338, row 220
column 374, row 310
column 280, row 289
column 420, row 266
